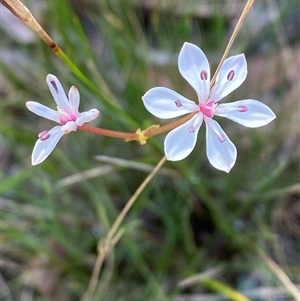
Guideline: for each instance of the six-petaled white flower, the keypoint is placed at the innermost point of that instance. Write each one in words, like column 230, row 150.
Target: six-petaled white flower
column 165, row 103
column 67, row 115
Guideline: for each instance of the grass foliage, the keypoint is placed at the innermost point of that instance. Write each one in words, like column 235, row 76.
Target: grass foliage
column 191, row 221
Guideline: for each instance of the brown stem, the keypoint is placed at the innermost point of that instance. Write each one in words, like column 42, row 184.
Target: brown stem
column 150, row 132
column 109, row 133
column 168, row 127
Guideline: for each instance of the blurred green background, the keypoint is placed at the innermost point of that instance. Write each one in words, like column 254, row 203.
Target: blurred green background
column 190, row 220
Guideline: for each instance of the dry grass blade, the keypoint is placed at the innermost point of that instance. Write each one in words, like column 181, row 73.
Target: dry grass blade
column 5, row 290
column 24, row 14
column 84, row 175
column 285, row 280
column 213, row 272
column 138, row 166
column 293, row 189
column 114, row 235
column 262, row 293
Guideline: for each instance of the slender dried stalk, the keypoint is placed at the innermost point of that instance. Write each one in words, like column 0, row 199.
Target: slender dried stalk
column 105, row 246
column 24, row 14
column 285, row 280
column 232, row 38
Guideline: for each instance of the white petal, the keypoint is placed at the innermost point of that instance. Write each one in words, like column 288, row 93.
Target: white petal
column 231, row 75
column 74, row 99
column 166, row 103
column 249, row 112
column 180, row 142
column 42, row 111
column 87, row 116
column 57, row 91
column 221, row 152
column 43, row 149
column 194, row 67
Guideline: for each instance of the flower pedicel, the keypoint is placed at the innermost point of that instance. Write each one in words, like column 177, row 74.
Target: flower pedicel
column 165, row 103
column 67, row 115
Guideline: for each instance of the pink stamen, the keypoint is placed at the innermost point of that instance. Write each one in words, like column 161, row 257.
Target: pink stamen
column 178, row 103
column 191, row 129
column 203, row 75
column 44, row 135
column 54, row 85
column 242, row 108
column 64, row 119
column 221, row 139
column 65, row 116
column 207, row 109
column 230, row 75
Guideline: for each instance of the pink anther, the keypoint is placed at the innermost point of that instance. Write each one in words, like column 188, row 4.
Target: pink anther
column 230, row 75
column 191, row 129
column 54, row 85
column 178, row 103
column 242, row 108
column 203, row 75
column 221, row 139
column 44, row 135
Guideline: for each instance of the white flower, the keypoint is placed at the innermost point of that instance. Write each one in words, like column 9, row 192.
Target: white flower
column 165, row 103
column 67, row 116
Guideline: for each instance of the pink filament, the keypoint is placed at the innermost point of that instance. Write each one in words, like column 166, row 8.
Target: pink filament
column 65, row 116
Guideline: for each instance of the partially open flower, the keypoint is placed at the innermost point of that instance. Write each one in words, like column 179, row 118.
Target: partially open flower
column 165, row 103
column 67, row 115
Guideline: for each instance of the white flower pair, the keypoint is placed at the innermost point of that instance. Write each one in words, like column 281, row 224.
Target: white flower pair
column 165, row 103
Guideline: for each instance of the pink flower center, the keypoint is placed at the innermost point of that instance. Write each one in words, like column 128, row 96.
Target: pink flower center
column 207, row 108
column 65, row 116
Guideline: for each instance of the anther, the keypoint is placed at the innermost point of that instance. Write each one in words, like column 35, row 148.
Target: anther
column 242, row 108
column 221, row 139
column 54, row 85
column 230, row 75
column 44, row 135
column 178, row 103
column 191, row 129
column 203, row 75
